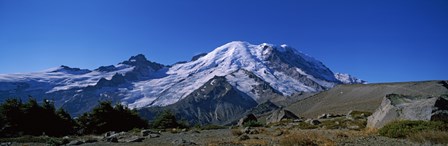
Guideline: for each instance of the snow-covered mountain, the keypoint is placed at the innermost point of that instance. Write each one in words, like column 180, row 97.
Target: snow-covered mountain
column 261, row 72
column 348, row 79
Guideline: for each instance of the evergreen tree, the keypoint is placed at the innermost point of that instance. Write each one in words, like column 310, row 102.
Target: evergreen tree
column 164, row 120
column 106, row 118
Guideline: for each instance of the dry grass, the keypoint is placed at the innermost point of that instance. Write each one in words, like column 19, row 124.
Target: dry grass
column 236, row 132
column 432, row 137
column 250, row 142
column 255, row 142
column 305, row 139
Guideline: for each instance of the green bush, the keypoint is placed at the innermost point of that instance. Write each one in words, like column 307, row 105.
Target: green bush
column 211, row 127
column 106, row 117
column 402, row 129
column 166, row 119
column 33, row 119
column 305, row 125
column 253, row 123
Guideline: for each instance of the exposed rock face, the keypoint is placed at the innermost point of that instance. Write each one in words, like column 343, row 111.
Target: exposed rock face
column 264, row 108
column 279, row 115
column 216, row 102
column 401, row 107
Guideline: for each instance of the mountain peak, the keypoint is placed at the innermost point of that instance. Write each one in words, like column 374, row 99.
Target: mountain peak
column 348, row 79
column 138, row 58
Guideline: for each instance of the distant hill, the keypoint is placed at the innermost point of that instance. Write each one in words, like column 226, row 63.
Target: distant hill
column 362, row 97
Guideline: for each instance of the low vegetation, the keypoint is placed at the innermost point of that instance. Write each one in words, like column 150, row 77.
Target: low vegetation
column 253, row 123
column 18, row 119
column 432, row 132
column 403, row 129
column 431, row 137
column 166, row 120
column 106, row 117
column 305, row 139
column 33, row 119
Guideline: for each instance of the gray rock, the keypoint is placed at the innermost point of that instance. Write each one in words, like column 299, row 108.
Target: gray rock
column 148, row 132
column 112, row 139
column 134, row 139
column 5, row 143
column 277, row 133
column 108, row 134
column 243, row 137
column 323, row 116
column 313, row 122
column 75, row 142
column 154, row 135
column 400, row 107
column 279, row 115
column 183, row 142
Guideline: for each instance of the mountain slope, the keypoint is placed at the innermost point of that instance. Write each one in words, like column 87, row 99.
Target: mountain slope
column 362, row 97
column 216, row 102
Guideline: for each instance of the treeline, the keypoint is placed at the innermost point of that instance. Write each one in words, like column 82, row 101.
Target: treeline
column 30, row 118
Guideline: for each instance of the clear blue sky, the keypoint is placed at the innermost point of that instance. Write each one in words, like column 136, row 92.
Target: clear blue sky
column 376, row 40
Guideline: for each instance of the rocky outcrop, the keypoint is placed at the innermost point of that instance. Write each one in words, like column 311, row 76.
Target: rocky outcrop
column 401, row 107
column 216, row 102
column 280, row 115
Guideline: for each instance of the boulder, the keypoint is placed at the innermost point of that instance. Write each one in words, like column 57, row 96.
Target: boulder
column 313, row 121
column 323, row 116
column 75, row 142
column 279, row 115
column 134, row 139
column 243, row 137
column 247, row 118
column 401, row 107
column 148, row 132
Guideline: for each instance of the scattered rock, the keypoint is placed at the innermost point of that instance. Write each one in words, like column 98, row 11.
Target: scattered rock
column 313, row 122
column 354, row 127
column 249, row 130
column 277, row 133
column 183, row 142
column 247, row 118
column 154, row 135
column 134, row 139
column 5, row 143
column 108, row 134
column 195, row 131
column 323, row 116
column 279, row 115
column 243, row 137
column 112, row 139
column 75, row 142
column 148, row 132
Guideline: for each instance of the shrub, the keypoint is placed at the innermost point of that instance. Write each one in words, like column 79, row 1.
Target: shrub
column 236, row 132
column 402, row 129
column 212, row 127
column 305, row 139
column 165, row 120
column 304, row 125
column 343, row 123
column 432, row 137
column 106, row 118
column 253, row 123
